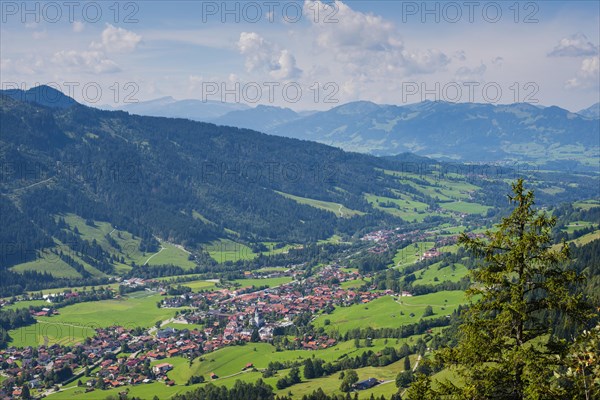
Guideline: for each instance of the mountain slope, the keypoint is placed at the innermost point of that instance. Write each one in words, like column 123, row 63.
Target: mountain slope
column 261, row 118
column 91, row 193
column 183, row 181
column 592, row 111
column 464, row 131
column 42, row 95
column 457, row 131
column 196, row 110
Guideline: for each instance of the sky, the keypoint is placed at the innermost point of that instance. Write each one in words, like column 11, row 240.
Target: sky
column 305, row 55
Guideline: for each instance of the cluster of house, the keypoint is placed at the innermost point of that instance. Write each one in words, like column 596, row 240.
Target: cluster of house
column 383, row 238
column 227, row 317
column 431, row 253
column 44, row 312
column 232, row 316
column 135, row 282
column 44, row 366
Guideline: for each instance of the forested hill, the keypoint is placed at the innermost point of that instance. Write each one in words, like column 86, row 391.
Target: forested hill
column 192, row 183
column 180, row 180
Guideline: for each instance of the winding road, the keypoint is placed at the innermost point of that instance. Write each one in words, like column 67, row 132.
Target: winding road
column 149, row 258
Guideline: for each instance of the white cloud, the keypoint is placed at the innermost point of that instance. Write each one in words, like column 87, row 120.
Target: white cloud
column 498, row 61
column 466, row 74
column 424, row 61
column 78, row 26
column 588, row 76
column 460, row 55
column 368, row 44
column 353, row 29
column 117, row 40
column 262, row 55
column 286, row 67
column 95, row 59
column 86, row 61
column 37, row 35
column 30, row 65
column 576, row 45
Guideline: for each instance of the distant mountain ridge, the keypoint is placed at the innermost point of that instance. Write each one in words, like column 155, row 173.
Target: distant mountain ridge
column 43, row 95
column 452, row 131
column 196, row 110
column 592, row 111
column 463, row 131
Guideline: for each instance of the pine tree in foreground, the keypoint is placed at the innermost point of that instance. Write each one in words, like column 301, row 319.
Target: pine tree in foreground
column 506, row 348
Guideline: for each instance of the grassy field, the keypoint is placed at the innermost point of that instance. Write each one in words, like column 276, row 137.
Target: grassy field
column 114, row 286
column 576, row 225
column 337, row 209
column 224, row 250
column 147, row 391
column 331, row 384
column 231, row 360
column 411, row 253
column 334, row 239
column 196, row 286
column 427, row 276
column 352, row 284
column 78, row 321
column 129, row 245
column 170, row 254
column 587, row 204
column 227, row 364
column 388, row 312
column 26, row 304
column 432, row 183
column 273, row 249
column 465, row 207
column 50, row 263
column 406, row 208
column 587, row 238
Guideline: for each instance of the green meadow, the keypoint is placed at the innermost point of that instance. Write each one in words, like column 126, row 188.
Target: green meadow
column 390, row 312
column 405, row 207
column 573, row 226
column 587, row 204
column 411, row 253
column 128, row 248
column 465, row 207
column 338, row 209
column 49, row 262
column 428, row 275
column 76, row 322
column 224, row 250
column 26, row 304
column 114, row 286
column 199, row 285
column 145, row 391
column 170, row 254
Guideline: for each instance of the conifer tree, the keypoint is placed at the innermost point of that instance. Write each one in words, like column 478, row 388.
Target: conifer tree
column 506, row 349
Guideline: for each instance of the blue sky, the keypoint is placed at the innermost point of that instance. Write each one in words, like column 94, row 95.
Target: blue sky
column 306, row 54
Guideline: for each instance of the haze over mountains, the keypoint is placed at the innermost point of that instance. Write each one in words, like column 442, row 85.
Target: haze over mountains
column 454, row 131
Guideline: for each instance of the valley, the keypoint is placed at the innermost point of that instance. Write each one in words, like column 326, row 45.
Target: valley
column 202, row 263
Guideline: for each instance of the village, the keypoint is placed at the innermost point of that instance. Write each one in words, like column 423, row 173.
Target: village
column 206, row 321
column 228, row 317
